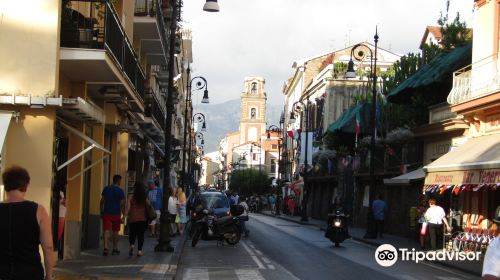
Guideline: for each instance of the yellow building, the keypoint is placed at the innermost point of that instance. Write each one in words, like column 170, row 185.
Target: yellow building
column 82, row 97
column 472, row 169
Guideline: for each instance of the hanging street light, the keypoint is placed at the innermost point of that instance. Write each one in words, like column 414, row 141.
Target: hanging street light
column 211, row 6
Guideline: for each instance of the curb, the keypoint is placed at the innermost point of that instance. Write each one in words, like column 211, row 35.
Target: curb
column 176, row 258
column 376, row 244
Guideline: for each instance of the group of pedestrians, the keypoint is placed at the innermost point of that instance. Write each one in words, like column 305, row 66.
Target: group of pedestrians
column 135, row 213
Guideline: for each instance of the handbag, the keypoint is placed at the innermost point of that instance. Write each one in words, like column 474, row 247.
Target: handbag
column 150, row 213
column 423, row 230
column 177, row 219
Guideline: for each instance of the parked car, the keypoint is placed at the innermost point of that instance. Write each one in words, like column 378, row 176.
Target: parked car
column 217, row 201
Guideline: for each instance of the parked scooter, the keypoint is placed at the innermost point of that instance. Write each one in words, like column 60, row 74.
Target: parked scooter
column 337, row 227
column 209, row 227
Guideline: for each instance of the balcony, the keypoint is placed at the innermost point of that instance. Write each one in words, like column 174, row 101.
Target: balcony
column 155, row 118
column 440, row 112
column 149, row 29
column 94, row 26
column 474, row 81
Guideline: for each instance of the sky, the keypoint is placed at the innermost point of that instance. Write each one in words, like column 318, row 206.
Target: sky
column 264, row 37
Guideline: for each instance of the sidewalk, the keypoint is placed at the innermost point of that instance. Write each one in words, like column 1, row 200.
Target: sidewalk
column 472, row 267
column 92, row 265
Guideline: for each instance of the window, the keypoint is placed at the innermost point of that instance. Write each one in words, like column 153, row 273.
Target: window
column 274, row 146
column 254, row 156
column 253, row 113
column 253, row 88
column 273, row 165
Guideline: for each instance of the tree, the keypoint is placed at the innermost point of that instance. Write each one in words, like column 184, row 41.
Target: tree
column 249, row 181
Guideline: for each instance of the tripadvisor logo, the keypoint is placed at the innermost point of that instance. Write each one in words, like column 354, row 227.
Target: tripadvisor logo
column 386, row 255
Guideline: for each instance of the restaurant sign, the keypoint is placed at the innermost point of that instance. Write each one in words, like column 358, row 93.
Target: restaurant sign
column 486, row 176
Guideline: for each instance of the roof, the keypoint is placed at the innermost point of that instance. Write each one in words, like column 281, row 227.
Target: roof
column 435, row 31
column 439, row 70
column 407, row 178
column 477, row 153
column 347, row 121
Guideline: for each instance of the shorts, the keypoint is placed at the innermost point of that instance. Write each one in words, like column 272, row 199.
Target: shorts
column 157, row 220
column 111, row 222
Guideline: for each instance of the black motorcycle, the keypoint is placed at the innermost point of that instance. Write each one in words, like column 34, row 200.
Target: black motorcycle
column 336, row 229
column 207, row 226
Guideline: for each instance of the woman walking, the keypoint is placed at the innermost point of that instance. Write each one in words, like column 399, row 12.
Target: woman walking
column 181, row 210
column 172, row 210
column 136, row 213
column 25, row 225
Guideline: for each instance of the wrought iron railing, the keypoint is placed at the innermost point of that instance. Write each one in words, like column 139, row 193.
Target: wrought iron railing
column 95, row 25
column 145, row 8
column 153, row 110
column 478, row 79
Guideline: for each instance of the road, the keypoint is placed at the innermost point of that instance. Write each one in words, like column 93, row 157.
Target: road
column 278, row 249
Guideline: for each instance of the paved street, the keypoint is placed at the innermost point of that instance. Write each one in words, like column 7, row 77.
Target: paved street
column 278, row 249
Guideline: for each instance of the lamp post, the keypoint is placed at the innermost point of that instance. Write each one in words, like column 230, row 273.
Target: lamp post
column 201, row 83
column 164, row 239
column 198, row 136
column 296, row 107
column 273, row 128
column 350, row 73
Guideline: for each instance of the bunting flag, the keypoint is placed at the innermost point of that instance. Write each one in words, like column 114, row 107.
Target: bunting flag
column 478, row 187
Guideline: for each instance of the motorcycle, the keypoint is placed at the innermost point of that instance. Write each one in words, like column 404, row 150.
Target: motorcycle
column 207, row 226
column 337, row 228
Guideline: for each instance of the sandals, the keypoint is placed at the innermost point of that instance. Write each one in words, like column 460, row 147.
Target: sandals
column 139, row 253
column 105, row 252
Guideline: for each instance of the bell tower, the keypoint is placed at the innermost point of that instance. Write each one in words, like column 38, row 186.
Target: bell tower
column 253, row 110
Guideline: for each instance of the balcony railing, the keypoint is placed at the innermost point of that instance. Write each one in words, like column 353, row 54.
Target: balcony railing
column 440, row 112
column 95, row 25
column 479, row 79
column 145, row 8
column 153, row 110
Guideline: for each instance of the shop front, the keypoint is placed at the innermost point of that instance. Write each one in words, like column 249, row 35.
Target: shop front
column 465, row 182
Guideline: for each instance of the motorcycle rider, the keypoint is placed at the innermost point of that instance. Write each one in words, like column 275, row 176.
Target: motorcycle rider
column 338, row 206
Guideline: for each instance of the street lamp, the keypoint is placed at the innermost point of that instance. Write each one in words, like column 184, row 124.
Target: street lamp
column 300, row 106
column 358, row 53
column 211, row 6
column 201, row 83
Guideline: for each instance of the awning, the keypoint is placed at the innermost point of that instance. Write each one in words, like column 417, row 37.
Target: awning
column 347, row 121
column 407, row 178
column 477, row 153
column 93, row 144
column 5, row 117
column 440, row 69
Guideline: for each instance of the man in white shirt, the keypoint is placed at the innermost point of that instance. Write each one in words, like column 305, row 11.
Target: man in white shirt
column 491, row 264
column 435, row 217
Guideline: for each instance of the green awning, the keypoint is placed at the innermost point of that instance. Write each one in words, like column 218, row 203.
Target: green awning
column 347, row 121
column 439, row 70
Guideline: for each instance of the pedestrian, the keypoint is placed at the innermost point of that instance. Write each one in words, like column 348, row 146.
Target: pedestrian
column 137, row 220
column 172, row 210
column 291, row 205
column 25, row 225
column 491, row 267
column 379, row 208
column 244, row 216
column 236, row 198
column 181, row 218
column 155, row 196
column 278, row 204
column 272, row 202
column 435, row 217
column 112, row 206
column 421, row 209
column 62, row 214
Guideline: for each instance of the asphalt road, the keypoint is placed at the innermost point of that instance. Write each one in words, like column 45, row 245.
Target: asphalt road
column 277, row 249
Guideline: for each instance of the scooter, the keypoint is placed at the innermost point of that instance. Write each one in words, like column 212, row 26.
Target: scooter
column 337, row 228
column 208, row 227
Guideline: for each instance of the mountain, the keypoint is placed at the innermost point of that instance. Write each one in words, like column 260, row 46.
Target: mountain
column 223, row 118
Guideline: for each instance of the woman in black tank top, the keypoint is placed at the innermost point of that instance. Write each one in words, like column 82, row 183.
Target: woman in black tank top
column 24, row 226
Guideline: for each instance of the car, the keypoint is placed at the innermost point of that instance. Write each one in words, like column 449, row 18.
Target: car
column 217, row 201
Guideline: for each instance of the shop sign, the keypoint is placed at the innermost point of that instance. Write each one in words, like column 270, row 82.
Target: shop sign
column 486, row 176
